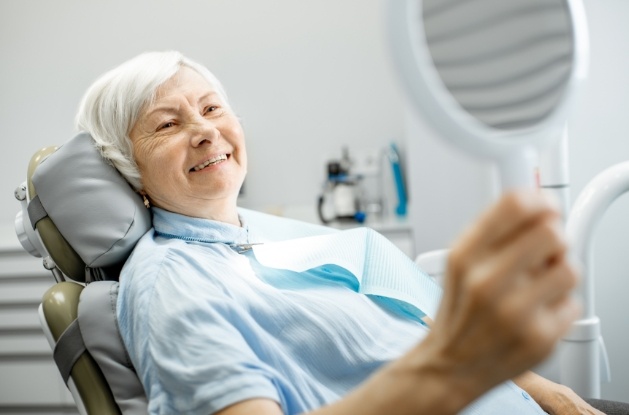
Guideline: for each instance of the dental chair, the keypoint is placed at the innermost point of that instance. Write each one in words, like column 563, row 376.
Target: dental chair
column 82, row 217
column 66, row 189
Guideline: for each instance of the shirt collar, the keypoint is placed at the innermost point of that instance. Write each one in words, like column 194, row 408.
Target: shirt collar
column 174, row 225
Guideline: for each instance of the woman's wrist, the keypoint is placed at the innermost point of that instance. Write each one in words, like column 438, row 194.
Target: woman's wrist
column 408, row 386
column 431, row 382
column 461, row 385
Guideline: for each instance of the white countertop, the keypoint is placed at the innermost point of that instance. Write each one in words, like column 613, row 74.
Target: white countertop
column 309, row 214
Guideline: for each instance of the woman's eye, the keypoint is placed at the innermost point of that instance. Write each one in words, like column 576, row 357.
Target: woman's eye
column 211, row 108
column 165, row 125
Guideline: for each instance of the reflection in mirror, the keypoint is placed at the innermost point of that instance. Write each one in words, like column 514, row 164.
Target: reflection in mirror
column 506, row 63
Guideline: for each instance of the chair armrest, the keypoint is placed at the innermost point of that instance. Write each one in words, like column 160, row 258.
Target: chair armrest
column 433, row 263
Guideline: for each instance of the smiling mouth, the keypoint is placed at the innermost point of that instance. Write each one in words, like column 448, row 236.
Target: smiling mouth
column 211, row 162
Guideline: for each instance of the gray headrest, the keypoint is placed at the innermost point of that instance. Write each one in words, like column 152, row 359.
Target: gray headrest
column 91, row 204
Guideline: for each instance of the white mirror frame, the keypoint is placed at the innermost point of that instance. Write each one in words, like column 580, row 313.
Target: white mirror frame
column 515, row 151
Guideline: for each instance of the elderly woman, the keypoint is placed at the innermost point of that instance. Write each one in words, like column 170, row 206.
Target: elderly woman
column 211, row 330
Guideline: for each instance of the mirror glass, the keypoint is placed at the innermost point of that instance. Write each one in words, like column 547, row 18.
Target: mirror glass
column 505, row 62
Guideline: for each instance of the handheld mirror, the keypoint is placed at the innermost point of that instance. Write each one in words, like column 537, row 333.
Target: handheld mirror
column 495, row 77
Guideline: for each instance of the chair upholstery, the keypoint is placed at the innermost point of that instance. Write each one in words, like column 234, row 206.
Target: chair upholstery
column 92, row 217
column 99, row 326
column 89, row 219
column 60, row 309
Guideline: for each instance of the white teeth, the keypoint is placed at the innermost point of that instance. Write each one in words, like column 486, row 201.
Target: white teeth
column 213, row 160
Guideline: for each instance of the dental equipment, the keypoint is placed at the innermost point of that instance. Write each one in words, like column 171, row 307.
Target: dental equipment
column 585, row 343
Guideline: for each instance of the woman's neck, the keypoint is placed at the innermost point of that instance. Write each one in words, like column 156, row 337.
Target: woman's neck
column 219, row 210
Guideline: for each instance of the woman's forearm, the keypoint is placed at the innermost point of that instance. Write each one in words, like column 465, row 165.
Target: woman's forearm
column 424, row 381
column 421, row 382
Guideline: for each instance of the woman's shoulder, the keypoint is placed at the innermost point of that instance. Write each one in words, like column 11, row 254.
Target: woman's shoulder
column 165, row 258
column 151, row 257
column 162, row 272
column 149, row 250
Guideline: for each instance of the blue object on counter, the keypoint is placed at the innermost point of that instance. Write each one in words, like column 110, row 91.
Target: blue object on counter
column 394, row 158
column 360, row 216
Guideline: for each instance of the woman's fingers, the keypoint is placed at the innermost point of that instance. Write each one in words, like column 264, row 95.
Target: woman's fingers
column 507, row 298
column 535, row 249
column 555, row 288
column 505, row 220
column 486, row 259
column 556, row 281
column 537, row 308
column 534, row 268
column 508, row 265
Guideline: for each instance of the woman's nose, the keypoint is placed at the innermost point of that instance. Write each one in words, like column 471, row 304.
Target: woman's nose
column 203, row 131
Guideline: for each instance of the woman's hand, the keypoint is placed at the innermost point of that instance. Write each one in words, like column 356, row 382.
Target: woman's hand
column 562, row 400
column 554, row 398
column 507, row 296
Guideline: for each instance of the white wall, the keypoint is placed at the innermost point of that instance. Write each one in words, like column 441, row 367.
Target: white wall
column 307, row 77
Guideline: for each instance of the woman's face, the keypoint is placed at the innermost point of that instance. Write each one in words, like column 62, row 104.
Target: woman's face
column 190, row 148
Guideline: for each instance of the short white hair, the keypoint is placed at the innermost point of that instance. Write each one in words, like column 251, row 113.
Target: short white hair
column 111, row 106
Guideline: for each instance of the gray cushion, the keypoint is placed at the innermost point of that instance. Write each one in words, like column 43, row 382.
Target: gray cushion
column 99, row 327
column 610, row 407
column 90, row 203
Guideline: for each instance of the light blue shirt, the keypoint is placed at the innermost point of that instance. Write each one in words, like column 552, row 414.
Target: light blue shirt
column 208, row 326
